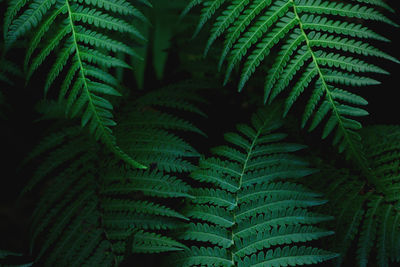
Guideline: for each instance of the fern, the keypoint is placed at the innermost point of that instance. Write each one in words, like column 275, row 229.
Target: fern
column 156, row 194
column 97, row 210
column 84, row 37
column 362, row 212
column 251, row 218
column 321, row 47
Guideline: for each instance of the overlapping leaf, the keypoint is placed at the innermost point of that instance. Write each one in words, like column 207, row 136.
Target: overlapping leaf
column 323, row 47
column 84, row 37
column 253, row 216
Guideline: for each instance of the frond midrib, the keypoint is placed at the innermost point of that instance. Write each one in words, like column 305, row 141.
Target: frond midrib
column 249, row 152
column 107, row 138
column 353, row 149
column 82, row 73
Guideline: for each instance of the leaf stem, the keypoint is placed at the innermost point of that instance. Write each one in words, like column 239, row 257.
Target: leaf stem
column 106, row 137
column 356, row 154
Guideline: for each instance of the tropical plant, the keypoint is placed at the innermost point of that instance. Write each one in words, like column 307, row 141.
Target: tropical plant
column 247, row 210
column 362, row 212
column 84, row 36
column 94, row 192
column 317, row 49
column 100, row 210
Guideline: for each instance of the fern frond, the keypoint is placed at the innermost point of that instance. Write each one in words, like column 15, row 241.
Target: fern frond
column 321, row 46
column 366, row 212
column 81, row 29
column 368, row 233
column 383, row 238
column 250, row 209
column 97, row 211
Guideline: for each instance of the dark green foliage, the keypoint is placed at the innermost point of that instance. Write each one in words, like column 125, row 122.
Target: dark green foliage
column 151, row 192
column 317, row 48
column 246, row 213
column 96, row 211
column 83, row 35
column 363, row 212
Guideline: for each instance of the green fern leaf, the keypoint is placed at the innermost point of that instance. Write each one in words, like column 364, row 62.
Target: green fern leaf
column 76, row 27
column 97, row 211
column 382, row 258
column 365, row 211
column 251, row 209
column 368, row 233
column 321, row 46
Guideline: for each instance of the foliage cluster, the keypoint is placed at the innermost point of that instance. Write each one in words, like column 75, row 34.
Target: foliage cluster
column 125, row 158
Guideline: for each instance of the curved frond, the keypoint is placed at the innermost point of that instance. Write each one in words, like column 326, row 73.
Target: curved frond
column 322, row 47
column 71, row 29
column 366, row 213
column 97, row 211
